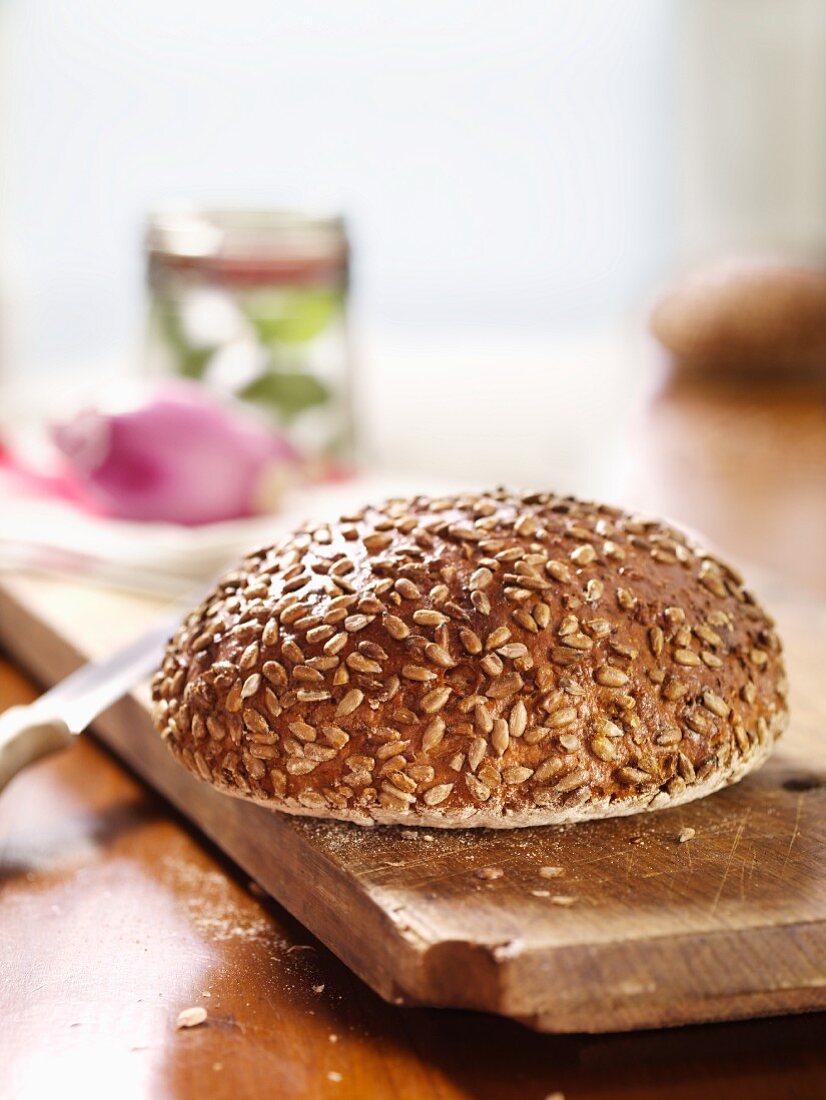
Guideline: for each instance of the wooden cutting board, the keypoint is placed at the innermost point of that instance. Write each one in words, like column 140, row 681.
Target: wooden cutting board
column 639, row 931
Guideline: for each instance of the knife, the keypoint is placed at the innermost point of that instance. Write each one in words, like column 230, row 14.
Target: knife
column 52, row 722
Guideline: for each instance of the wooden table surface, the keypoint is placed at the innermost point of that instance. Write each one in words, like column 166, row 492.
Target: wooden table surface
column 115, row 915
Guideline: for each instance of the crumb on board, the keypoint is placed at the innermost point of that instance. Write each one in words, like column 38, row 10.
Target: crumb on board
column 334, row 1075
column 551, row 872
column 318, row 988
column 333, row 1037
column 191, row 1017
column 489, row 873
column 686, row 834
column 409, row 834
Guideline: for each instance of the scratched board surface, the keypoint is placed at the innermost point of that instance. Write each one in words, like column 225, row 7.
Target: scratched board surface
column 591, row 927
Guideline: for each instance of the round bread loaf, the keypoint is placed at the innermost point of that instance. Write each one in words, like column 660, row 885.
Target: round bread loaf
column 747, row 315
column 485, row 660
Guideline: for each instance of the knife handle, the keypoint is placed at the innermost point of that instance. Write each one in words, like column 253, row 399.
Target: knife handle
column 25, row 736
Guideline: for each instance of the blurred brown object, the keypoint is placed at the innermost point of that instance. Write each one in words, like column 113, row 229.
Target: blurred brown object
column 746, row 316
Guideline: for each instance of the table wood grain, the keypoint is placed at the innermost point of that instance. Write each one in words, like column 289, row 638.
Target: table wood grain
column 115, row 915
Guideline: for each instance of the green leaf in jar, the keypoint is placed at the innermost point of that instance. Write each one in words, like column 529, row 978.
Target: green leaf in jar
column 286, row 393
column 188, row 361
column 290, row 316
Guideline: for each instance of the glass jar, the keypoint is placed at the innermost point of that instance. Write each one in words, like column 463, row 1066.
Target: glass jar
column 253, row 303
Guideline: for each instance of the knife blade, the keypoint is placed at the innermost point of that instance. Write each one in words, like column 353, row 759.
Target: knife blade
column 53, row 720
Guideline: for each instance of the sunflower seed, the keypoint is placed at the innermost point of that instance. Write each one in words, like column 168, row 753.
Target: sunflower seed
column 549, row 767
column 407, row 589
column 669, row 736
column 418, row 673
column 436, row 795
column 686, row 657
column 505, row 686
column 492, row 665
column 481, row 602
column 571, row 781
column 249, row 658
column 434, row 700
column 603, row 747
column 379, row 541
column 497, row 637
column 476, row 752
column 335, row 736
column 559, row 571
column 633, row 775
column 350, row 701
column 251, row 685
column 561, row 717
column 607, row 728
column 517, row 775
column 354, row 623
column 300, row 766
column 535, row 735
column 709, row 636
column 500, row 737
column 470, row 641
column 482, row 718
column 525, row 620
column 481, row 578
column 438, row 655
column 358, row 663
column 626, row 599
column 569, row 625
column 716, row 704
column 395, row 627
column 518, row 719
column 610, row 677
column 541, row 615
column 433, row 734
column 713, row 583
column 391, row 749
column 477, row 789
column 306, row 695
column 303, row 674
column 426, row 617
column 583, row 555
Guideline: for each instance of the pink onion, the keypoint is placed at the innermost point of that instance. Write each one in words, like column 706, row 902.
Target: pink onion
column 179, row 454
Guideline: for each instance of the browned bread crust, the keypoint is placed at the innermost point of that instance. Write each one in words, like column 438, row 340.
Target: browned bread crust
column 746, row 315
column 481, row 660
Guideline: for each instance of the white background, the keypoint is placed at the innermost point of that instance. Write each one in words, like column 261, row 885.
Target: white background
column 504, row 166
